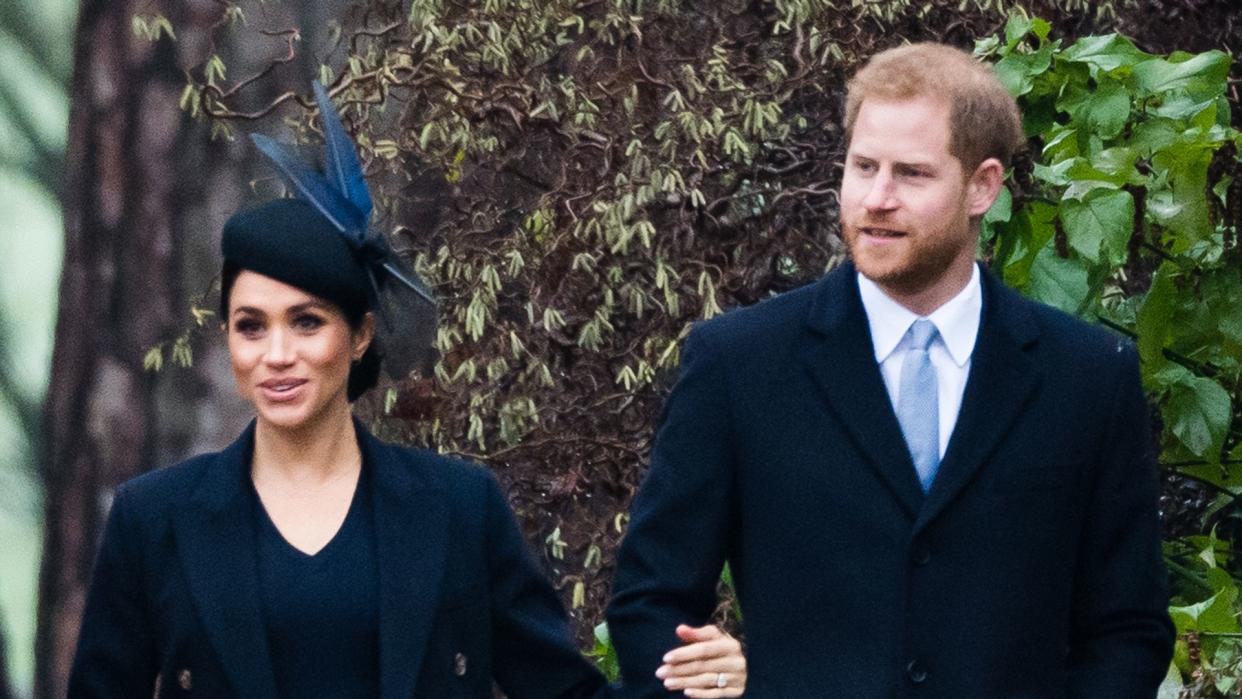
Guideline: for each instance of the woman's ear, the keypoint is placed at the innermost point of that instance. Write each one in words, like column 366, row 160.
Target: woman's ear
column 984, row 186
column 363, row 335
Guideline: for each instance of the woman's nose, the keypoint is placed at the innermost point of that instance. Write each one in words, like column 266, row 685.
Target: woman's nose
column 279, row 349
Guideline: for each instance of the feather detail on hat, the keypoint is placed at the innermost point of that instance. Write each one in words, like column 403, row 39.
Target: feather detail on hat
column 406, row 307
column 344, row 169
column 341, row 196
column 315, row 190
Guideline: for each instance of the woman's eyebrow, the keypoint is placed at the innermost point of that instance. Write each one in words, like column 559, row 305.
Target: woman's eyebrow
column 309, row 305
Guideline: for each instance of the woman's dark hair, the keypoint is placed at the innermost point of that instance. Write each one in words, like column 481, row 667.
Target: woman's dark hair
column 363, row 374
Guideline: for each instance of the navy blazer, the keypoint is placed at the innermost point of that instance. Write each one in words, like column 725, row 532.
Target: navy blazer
column 173, row 607
column 1032, row 568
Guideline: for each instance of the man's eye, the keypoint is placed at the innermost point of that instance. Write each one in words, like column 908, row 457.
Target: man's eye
column 864, row 166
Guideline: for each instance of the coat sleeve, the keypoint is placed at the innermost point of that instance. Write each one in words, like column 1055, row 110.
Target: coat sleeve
column 1122, row 637
column 115, row 655
column 676, row 543
column 532, row 649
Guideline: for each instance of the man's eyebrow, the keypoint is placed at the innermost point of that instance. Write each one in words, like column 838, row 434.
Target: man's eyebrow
column 916, row 164
column 928, row 164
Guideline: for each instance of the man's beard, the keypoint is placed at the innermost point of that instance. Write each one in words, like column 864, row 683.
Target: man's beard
column 925, row 260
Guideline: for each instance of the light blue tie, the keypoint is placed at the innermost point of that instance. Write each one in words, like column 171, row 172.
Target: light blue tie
column 918, row 408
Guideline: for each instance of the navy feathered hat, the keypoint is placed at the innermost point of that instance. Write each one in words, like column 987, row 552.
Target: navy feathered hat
column 287, row 239
column 322, row 242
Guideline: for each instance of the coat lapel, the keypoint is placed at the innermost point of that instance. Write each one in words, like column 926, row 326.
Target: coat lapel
column 411, row 526
column 841, row 358
column 1003, row 378
column 215, row 539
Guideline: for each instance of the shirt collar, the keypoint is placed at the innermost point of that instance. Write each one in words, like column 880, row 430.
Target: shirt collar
column 957, row 320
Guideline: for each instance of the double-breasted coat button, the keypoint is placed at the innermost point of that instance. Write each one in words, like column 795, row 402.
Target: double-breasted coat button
column 916, row 672
column 459, row 664
column 922, row 556
column 185, row 679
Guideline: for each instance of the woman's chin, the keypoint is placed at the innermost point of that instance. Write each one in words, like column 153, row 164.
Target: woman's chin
column 284, row 415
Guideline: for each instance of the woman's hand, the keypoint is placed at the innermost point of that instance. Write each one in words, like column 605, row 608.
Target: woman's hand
column 710, row 665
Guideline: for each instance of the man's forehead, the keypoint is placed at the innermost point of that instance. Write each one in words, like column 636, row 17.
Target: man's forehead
column 917, row 125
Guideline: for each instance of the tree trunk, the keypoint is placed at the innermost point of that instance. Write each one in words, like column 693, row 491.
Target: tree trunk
column 121, row 293
column 6, row 685
column 146, row 193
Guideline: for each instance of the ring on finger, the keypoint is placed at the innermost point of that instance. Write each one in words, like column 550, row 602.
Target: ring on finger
column 721, row 681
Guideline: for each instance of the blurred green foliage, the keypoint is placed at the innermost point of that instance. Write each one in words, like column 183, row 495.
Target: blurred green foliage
column 1129, row 216
column 36, row 42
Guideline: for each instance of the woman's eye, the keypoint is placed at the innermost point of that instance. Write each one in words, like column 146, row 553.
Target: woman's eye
column 308, row 322
column 248, row 326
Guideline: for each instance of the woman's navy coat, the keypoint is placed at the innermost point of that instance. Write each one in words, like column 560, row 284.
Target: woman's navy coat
column 173, row 608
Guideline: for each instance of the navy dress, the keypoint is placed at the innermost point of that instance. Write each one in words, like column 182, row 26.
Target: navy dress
column 182, row 604
column 321, row 610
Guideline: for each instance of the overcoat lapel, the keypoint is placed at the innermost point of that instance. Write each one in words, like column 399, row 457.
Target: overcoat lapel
column 1003, row 378
column 411, row 526
column 840, row 356
column 215, row 540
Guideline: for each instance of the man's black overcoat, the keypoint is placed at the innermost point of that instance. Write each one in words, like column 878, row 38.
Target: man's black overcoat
column 1032, row 568
column 175, row 594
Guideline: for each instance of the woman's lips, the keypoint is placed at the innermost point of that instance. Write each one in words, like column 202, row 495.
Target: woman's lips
column 282, row 390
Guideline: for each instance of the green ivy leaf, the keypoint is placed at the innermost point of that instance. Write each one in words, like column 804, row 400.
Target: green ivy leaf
column 1186, row 165
column 1118, row 163
column 1155, row 316
column 1084, row 178
column 1098, row 226
column 1001, row 211
column 1184, row 107
column 1152, row 135
column 1171, row 687
column 1104, row 106
column 1198, row 411
column 1061, row 143
column 1058, row 281
column 1020, row 241
column 1108, row 109
column 1202, row 74
column 1015, row 28
column 1214, row 614
column 1104, row 53
column 1017, row 71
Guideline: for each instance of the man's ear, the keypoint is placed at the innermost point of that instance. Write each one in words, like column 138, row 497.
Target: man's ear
column 984, row 186
column 363, row 336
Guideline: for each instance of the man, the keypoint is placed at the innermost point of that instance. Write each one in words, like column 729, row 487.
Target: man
column 925, row 485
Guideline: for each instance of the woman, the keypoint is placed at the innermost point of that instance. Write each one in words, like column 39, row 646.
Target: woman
column 309, row 558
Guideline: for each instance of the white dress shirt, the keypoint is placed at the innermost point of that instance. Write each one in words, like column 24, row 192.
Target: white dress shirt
column 957, row 325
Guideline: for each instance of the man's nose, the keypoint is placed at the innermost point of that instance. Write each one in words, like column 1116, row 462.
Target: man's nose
column 882, row 195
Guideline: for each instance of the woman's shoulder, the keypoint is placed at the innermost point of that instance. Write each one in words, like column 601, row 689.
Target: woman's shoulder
column 161, row 484
column 415, row 467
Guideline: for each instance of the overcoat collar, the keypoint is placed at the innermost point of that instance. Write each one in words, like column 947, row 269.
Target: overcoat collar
column 215, row 537
column 841, row 359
